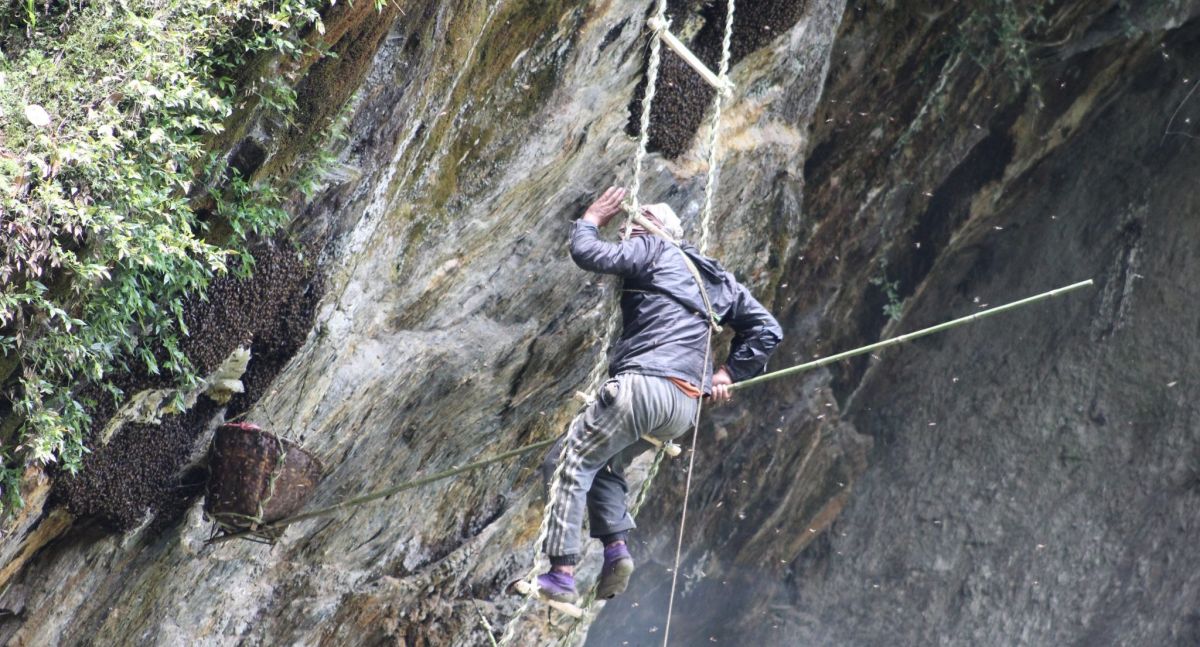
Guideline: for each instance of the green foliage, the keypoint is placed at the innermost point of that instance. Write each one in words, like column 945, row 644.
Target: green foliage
column 891, row 291
column 30, row 14
column 996, row 36
column 105, row 113
column 313, row 174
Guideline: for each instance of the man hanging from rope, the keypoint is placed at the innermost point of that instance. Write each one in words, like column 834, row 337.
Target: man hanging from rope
column 659, row 371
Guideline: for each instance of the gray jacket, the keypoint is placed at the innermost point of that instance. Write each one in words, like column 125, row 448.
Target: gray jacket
column 665, row 330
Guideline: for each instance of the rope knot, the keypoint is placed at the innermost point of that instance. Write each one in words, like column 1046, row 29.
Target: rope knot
column 658, row 24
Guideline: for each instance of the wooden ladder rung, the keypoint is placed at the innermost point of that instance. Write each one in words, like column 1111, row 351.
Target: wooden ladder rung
column 723, row 86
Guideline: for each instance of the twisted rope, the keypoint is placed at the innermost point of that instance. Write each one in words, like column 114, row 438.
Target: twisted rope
column 687, row 490
column 715, row 128
column 660, row 15
column 610, row 331
column 543, row 530
column 597, row 373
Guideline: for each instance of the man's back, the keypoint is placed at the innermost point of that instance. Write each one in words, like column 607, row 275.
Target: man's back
column 665, row 322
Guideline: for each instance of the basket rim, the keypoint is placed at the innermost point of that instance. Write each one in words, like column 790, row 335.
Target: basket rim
column 246, row 428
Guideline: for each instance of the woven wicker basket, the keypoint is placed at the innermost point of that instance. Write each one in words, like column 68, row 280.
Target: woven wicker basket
column 255, row 478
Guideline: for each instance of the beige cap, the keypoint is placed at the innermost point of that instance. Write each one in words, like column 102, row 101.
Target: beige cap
column 666, row 217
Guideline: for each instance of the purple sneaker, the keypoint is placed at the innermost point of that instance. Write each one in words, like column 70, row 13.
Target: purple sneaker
column 558, row 586
column 614, row 576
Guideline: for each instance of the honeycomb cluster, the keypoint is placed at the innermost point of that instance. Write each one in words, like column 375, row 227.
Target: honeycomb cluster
column 682, row 97
column 100, row 404
column 135, row 473
column 139, row 471
column 237, row 311
column 275, row 344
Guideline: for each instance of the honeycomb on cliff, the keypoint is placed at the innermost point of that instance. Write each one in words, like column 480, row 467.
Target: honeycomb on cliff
column 135, row 472
column 682, row 97
column 139, row 471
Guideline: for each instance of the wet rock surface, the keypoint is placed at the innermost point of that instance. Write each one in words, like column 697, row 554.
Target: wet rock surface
column 1025, row 480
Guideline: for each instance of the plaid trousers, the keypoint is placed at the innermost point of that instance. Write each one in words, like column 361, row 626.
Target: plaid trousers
column 601, row 442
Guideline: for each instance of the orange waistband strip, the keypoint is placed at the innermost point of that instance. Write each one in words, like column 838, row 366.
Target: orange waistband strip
column 690, row 390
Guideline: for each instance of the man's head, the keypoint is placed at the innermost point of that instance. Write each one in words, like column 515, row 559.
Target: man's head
column 664, row 216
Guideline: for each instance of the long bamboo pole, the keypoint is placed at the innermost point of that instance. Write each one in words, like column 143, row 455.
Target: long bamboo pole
column 454, row 471
column 384, row 493
column 767, row 377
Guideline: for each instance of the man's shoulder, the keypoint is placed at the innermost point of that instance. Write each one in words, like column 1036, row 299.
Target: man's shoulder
column 649, row 244
column 709, row 267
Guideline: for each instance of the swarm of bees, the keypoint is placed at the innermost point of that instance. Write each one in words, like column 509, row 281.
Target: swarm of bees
column 682, row 97
column 134, row 474
column 237, row 311
column 298, row 289
column 140, row 471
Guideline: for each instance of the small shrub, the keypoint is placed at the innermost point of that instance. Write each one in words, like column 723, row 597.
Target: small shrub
column 891, row 291
column 996, row 36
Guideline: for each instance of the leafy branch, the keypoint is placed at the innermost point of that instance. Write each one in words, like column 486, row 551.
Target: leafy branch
column 101, row 144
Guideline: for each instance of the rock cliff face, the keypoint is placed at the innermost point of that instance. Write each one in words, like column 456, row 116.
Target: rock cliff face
column 1027, row 480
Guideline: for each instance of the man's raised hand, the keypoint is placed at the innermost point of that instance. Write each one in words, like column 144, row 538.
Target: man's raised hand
column 605, row 207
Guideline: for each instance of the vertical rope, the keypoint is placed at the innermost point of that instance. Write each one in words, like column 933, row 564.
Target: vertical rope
column 511, row 626
column 715, row 128
column 687, row 490
column 610, row 330
column 647, row 100
column 706, row 214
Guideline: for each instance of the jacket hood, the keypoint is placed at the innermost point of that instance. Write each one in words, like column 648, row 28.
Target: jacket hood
column 710, row 269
